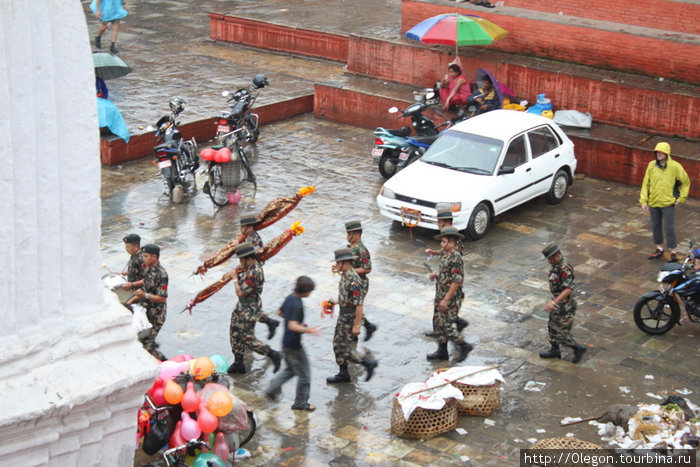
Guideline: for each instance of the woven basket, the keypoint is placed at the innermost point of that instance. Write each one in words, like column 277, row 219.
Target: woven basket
column 564, row 443
column 423, row 423
column 478, row 400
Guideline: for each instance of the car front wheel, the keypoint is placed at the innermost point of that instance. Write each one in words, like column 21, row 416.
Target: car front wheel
column 479, row 222
column 559, row 188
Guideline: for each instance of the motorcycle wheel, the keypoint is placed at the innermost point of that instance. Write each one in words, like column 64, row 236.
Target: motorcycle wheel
column 387, row 164
column 168, row 176
column 655, row 316
column 178, row 194
column 245, row 435
column 217, row 192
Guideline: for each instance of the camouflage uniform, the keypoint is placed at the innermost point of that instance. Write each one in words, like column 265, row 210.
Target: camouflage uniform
column 247, row 309
column 363, row 261
column 155, row 282
column 255, row 239
column 349, row 296
column 561, row 319
column 451, row 271
column 257, row 242
column 134, row 268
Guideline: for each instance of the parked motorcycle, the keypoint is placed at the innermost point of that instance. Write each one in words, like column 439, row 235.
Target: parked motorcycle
column 415, row 148
column 240, row 115
column 176, row 158
column 657, row 312
column 388, row 143
column 227, row 167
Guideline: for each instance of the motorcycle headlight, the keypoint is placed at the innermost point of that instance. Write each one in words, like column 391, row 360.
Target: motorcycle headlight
column 387, row 193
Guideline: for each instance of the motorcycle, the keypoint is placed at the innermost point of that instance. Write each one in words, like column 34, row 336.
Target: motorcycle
column 240, row 115
column 415, row 148
column 226, row 162
column 176, row 158
column 657, row 312
column 388, row 143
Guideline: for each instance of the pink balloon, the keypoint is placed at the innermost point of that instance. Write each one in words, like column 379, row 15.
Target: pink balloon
column 187, row 357
column 170, row 369
column 206, row 420
column 177, row 358
column 221, row 447
column 190, row 400
column 189, row 429
column 176, row 438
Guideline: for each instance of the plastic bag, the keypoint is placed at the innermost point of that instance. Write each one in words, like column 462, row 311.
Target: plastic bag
column 573, row 118
column 159, row 434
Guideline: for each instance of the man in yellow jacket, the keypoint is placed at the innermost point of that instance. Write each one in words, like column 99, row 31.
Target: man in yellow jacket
column 665, row 185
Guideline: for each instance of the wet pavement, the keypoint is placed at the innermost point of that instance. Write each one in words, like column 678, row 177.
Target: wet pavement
column 600, row 228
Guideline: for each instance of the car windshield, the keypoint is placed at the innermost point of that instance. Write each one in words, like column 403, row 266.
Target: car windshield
column 465, row 152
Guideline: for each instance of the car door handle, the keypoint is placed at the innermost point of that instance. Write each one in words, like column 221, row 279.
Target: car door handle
column 556, row 156
column 528, row 169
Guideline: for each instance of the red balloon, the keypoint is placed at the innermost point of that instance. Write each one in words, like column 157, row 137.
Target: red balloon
column 158, row 396
column 207, row 421
column 223, row 155
column 176, row 438
column 179, row 358
column 190, row 400
column 207, row 154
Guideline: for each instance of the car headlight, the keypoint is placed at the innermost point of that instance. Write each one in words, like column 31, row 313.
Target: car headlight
column 454, row 207
column 387, row 193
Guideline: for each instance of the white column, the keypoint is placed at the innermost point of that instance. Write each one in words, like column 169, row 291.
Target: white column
column 71, row 370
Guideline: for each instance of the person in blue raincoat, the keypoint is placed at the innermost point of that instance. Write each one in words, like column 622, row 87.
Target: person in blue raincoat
column 109, row 12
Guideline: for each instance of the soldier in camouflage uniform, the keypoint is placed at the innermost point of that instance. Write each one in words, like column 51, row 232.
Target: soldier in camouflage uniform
column 448, row 297
column 248, row 222
column 362, row 266
column 350, row 300
column 562, row 307
column 444, row 218
column 134, row 268
column 248, row 282
column 152, row 293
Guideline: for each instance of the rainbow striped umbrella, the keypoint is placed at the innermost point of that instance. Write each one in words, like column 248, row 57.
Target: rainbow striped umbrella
column 458, row 30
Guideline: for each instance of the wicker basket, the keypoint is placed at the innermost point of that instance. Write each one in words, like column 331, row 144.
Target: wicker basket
column 423, row 423
column 564, row 443
column 478, row 400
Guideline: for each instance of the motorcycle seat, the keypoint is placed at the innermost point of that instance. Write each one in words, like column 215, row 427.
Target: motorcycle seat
column 166, row 146
column 402, row 132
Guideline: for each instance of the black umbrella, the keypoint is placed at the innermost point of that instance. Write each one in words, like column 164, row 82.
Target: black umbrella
column 108, row 66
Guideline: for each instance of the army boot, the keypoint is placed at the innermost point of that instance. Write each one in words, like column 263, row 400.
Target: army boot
column 440, row 353
column 461, row 323
column 464, row 349
column 276, row 358
column 238, row 366
column 579, row 350
column 552, row 353
column 272, row 327
column 369, row 330
column 342, row 377
column 369, row 365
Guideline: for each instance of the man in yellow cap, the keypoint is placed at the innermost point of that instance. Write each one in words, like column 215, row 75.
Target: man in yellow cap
column 665, row 185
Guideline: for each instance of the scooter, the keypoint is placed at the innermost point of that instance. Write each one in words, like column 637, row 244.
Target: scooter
column 415, row 148
column 388, row 143
column 240, row 115
column 658, row 311
column 176, row 158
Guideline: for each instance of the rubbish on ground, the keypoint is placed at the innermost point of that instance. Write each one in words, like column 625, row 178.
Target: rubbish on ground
column 541, row 430
column 461, row 431
column 568, row 420
column 654, row 396
column 534, row 386
column 624, row 389
column 531, row 440
column 648, row 376
column 489, row 422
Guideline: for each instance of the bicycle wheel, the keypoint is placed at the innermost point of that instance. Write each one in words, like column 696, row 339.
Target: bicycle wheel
column 245, row 435
column 217, row 191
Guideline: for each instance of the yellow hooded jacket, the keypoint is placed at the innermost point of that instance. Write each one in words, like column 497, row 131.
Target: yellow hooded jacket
column 658, row 184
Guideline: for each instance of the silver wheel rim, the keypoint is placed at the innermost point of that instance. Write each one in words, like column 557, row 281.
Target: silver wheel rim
column 560, row 186
column 481, row 220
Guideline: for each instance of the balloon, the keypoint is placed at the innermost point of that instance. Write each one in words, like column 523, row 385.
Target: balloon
column 158, row 398
column 190, row 400
column 235, row 197
column 220, row 363
column 158, row 383
column 189, row 428
column 220, row 403
column 176, row 438
column 173, row 392
column 177, row 358
column 207, row 421
column 206, row 459
column 170, row 369
column 202, row 368
column 221, row 446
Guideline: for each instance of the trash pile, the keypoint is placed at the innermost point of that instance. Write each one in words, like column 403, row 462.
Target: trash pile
column 673, row 424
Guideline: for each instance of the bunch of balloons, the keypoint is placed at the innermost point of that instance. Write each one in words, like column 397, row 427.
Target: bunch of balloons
column 185, row 382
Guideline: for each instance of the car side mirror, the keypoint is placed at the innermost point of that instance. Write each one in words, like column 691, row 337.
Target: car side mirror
column 393, row 110
column 506, row 169
column 225, row 93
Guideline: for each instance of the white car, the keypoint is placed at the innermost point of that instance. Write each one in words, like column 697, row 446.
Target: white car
column 480, row 168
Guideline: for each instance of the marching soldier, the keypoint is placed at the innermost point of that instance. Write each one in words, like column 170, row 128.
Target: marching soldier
column 134, row 268
column 362, row 266
column 444, row 218
column 248, row 222
column 248, row 282
column 562, row 307
column 152, row 293
column 350, row 299
column 448, row 296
